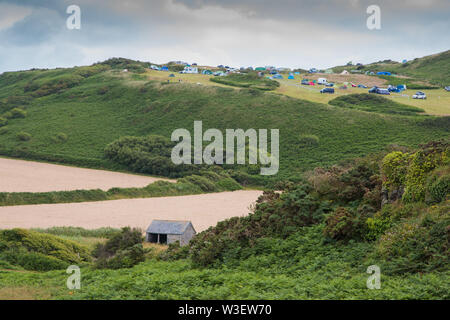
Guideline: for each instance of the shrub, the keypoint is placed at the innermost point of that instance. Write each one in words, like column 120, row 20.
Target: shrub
column 59, row 137
column 3, row 121
column 345, row 224
column 34, row 261
column 24, row 136
column 308, row 140
column 122, row 250
column 438, row 185
column 17, row 113
column 418, row 245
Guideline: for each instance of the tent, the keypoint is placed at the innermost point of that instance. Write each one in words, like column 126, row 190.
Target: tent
column 329, row 71
column 297, row 73
column 277, row 76
column 344, row 72
column 260, row 69
column 383, row 73
column 208, row 72
column 172, row 76
column 164, row 68
column 291, row 76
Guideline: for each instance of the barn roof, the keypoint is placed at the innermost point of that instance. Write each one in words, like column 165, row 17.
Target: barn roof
column 168, row 227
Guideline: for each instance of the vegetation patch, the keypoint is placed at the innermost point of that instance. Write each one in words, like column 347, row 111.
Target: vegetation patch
column 374, row 103
column 247, row 80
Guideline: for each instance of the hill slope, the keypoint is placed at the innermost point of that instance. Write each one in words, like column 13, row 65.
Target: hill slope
column 71, row 115
column 434, row 68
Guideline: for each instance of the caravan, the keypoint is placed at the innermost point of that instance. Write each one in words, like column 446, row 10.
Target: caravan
column 322, row 81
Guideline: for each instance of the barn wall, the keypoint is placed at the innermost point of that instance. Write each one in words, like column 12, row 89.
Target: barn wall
column 171, row 238
column 187, row 236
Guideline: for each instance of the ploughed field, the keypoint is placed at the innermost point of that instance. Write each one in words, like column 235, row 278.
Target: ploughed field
column 203, row 210
column 29, row 176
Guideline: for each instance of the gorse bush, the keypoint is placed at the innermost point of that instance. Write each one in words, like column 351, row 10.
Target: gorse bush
column 41, row 252
column 24, row 136
column 150, row 155
column 123, row 250
column 308, row 140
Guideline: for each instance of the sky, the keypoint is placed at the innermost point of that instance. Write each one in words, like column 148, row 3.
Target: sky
column 282, row 33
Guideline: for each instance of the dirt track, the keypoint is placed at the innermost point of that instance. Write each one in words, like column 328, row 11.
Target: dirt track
column 203, row 210
column 29, row 176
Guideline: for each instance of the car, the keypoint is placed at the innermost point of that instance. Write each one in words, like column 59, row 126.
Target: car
column 419, row 95
column 383, row 91
column 329, row 84
column 305, row 82
column 373, row 90
column 362, row 86
column 447, row 88
column 327, row 90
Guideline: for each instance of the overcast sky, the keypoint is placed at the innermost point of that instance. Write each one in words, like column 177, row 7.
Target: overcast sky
column 283, row 33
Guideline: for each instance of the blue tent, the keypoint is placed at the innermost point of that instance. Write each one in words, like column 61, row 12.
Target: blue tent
column 291, row 77
column 164, row 68
column 172, row 76
column 277, row 76
column 297, row 73
column 383, row 73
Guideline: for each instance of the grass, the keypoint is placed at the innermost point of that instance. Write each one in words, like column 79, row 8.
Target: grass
column 374, row 103
column 156, row 189
column 437, row 102
column 434, row 69
column 250, row 80
column 301, row 267
column 110, row 104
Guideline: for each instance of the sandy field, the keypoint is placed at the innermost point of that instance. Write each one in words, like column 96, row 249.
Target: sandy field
column 203, row 210
column 29, row 176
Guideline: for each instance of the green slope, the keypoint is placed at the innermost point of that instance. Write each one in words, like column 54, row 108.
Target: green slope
column 434, row 69
column 72, row 114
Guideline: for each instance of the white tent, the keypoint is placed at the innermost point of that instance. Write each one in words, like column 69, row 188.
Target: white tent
column 344, row 72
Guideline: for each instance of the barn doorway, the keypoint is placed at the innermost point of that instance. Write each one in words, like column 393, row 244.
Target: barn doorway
column 163, row 238
column 153, row 238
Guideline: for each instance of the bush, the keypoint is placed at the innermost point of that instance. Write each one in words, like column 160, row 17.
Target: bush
column 122, row 250
column 24, row 136
column 438, row 186
column 345, row 224
column 17, row 113
column 3, row 122
column 418, row 245
column 308, row 140
column 60, row 137
column 34, row 261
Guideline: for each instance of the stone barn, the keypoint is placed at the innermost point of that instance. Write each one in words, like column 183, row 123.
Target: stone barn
column 167, row 231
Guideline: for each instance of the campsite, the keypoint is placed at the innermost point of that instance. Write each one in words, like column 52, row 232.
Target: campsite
column 212, row 150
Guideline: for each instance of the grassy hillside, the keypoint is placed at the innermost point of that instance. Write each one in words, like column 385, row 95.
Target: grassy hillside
column 71, row 115
column 248, row 80
column 434, row 69
column 313, row 241
column 374, row 103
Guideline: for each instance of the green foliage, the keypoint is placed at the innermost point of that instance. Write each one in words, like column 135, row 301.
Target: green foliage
column 247, row 80
column 374, row 103
column 345, row 224
column 60, row 137
column 17, row 113
column 3, row 122
column 308, row 140
column 80, row 232
column 122, row 250
column 41, row 252
column 150, row 155
column 438, row 185
column 418, row 245
column 24, row 136
column 394, row 168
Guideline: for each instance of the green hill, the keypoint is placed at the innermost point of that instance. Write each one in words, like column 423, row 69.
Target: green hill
column 71, row 115
column 434, row 69
column 374, row 103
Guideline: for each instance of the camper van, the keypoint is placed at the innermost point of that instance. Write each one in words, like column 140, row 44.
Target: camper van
column 322, row 81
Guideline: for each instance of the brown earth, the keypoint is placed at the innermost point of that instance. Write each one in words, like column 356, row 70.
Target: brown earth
column 29, row 176
column 203, row 210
